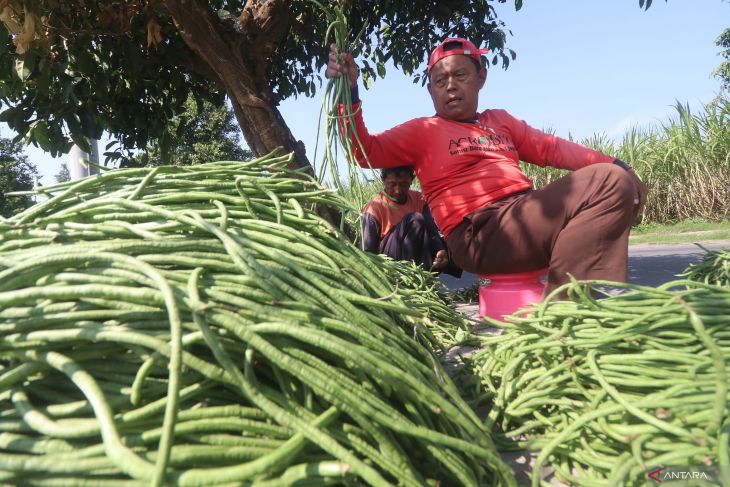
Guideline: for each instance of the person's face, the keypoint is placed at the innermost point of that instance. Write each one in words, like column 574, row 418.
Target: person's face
column 454, row 84
column 397, row 185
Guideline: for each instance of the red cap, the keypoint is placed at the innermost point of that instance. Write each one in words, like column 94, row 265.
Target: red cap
column 456, row 45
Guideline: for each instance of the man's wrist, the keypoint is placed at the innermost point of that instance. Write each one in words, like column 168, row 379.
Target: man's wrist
column 354, row 94
column 622, row 164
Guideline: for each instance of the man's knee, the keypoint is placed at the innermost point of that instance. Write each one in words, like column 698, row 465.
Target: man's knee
column 617, row 189
column 415, row 223
column 415, row 218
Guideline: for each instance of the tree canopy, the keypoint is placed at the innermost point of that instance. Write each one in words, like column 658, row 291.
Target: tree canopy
column 16, row 174
column 723, row 70
column 72, row 69
column 202, row 133
column 63, row 174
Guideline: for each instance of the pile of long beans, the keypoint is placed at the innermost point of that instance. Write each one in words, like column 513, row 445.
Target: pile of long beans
column 714, row 268
column 426, row 292
column 469, row 294
column 202, row 326
column 607, row 390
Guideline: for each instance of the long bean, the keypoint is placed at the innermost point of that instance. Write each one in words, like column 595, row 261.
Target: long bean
column 605, row 388
column 153, row 318
column 714, row 268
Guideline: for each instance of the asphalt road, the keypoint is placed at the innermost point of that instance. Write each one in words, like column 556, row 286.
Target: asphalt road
column 649, row 265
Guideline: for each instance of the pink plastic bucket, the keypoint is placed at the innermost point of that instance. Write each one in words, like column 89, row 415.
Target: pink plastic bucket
column 506, row 293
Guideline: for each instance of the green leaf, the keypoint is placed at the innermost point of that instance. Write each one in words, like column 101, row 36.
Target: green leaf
column 518, row 4
column 66, row 90
column 381, row 70
column 73, row 122
column 57, row 140
column 39, row 134
column 85, row 62
column 22, row 69
column 83, row 144
column 462, row 336
column 7, row 114
column 367, row 80
column 78, row 132
column 44, row 80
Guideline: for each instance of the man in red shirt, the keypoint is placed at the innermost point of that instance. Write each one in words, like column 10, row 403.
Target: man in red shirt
column 398, row 223
column 468, row 165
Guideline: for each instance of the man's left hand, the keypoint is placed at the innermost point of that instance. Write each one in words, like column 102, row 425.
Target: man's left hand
column 441, row 260
column 642, row 190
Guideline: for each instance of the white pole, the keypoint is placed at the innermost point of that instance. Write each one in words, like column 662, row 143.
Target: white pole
column 78, row 166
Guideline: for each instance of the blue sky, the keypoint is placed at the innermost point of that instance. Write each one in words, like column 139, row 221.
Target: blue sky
column 583, row 67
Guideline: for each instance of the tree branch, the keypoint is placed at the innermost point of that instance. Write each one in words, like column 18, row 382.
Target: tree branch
column 265, row 23
column 203, row 32
column 198, row 66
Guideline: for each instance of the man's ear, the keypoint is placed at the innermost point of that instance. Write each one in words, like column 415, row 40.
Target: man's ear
column 482, row 77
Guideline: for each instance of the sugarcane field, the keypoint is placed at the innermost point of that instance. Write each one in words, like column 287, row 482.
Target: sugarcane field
column 417, row 288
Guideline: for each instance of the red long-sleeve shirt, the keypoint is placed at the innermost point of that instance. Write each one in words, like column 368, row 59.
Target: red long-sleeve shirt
column 464, row 166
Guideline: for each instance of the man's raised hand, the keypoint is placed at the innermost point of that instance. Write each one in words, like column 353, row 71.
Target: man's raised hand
column 340, row 63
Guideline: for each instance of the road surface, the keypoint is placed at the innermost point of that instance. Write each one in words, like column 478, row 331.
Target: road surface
column 649, row 265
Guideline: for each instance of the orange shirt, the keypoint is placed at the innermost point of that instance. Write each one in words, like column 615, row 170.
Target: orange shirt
column 389, row 213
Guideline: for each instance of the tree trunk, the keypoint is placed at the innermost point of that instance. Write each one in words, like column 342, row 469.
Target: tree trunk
column 238, row 60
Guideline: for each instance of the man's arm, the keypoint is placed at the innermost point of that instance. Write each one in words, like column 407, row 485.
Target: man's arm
column 537, row 147
column 544, row 149
column 370, row 233
column 441, row 256
column 390, row 148
column 434, row 234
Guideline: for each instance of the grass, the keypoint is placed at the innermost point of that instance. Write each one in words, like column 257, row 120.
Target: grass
column 688, row 231
column 684, row 161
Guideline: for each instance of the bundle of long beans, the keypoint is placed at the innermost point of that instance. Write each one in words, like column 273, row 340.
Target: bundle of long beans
column 607, row 389
column 714, row 268
column 201, row 326
column 337, row 101
column 341, row 139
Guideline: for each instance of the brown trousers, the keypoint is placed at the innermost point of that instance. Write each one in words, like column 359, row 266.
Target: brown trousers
column 577, row 225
